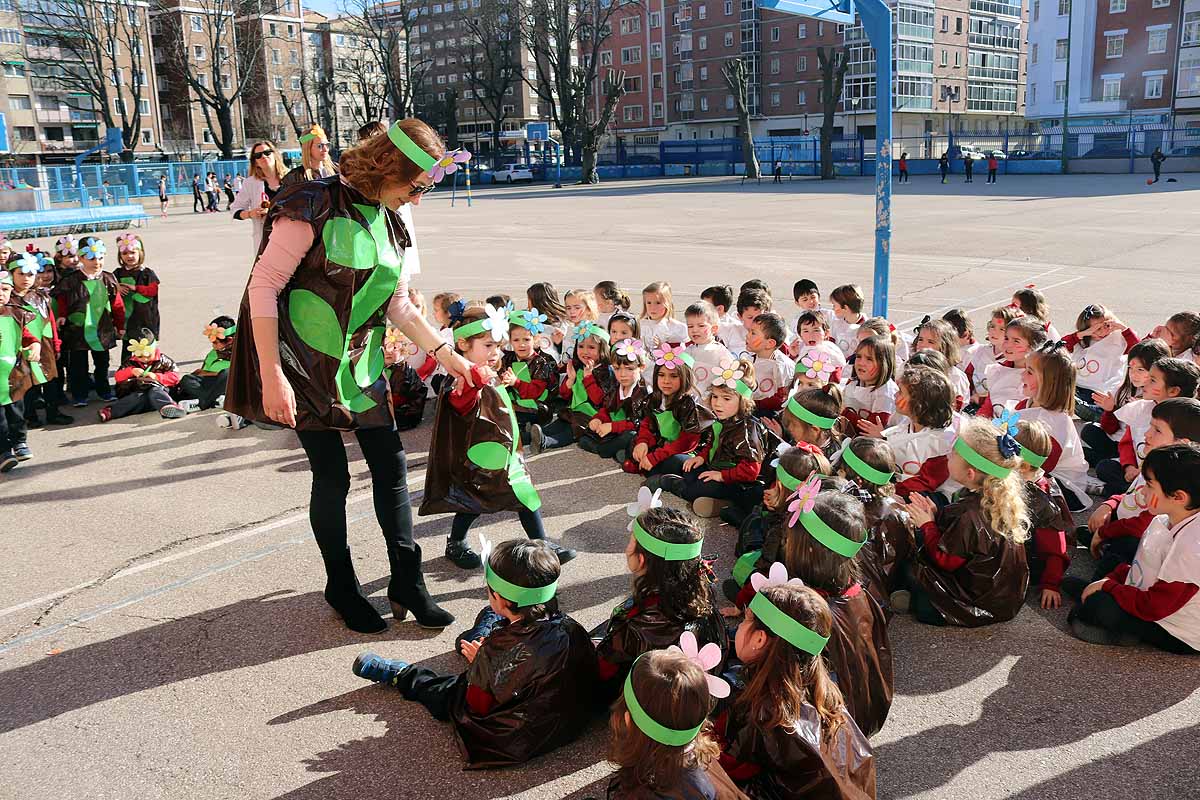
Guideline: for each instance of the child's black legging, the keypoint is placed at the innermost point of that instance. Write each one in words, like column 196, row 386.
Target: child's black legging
column 694, row 488
column 434, row 691
column 80, row 381
column 609, row 446
column 152, row 398
column 1097, row 445
column 531, row 521
column 1102, row 610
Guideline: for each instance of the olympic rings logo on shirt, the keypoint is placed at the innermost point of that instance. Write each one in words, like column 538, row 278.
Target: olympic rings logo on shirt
column 1091, row 366
column 702, row 374
column 911, row 467
column 1137, row 500
column 1140, row 450
column 766, row 387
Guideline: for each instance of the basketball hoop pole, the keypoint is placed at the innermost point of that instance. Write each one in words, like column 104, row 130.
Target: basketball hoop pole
column 877, row 22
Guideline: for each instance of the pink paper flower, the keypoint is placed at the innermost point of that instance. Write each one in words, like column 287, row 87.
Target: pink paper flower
column 803, row 499
column 706, row 658
column 448, row 164
column 816, row 366
column 668, row 356
column 777, row 575
column 631, row 349
column 729, row 374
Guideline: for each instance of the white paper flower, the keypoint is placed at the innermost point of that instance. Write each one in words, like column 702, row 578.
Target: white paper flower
column 496, row 322
column 485, row 548
column 729, row 374
column 706, row 658
column 646, row 500
column 777, row 575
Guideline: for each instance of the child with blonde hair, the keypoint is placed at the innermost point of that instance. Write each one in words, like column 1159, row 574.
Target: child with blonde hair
column 1049, row 389
column 659, row 326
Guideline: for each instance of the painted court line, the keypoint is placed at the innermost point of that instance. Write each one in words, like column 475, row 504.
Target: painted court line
column 1001, row 289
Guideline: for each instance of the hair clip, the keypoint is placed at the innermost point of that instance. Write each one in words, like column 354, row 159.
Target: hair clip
column 1091, row 311
column 706, row 658
column 456, row 310
column 632, row 350
column 922, row 324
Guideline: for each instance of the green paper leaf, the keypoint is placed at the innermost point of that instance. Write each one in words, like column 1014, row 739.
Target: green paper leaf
column 489, row 455
column 376, row 292
column 371, row 362
column 76, row 318
column 348, row 243
column 316, row 323
column 385, row 254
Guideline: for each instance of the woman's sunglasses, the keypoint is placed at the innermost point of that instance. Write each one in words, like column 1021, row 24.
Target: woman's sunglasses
column 419, row 189
column 262, row 154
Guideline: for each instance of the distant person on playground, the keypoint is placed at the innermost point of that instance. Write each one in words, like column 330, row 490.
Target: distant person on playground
column 197, row 195
column 903, row 168
column 968, row 167
column 944, row 166
column 778, row 172
column 993, row 165
column 1156, row 161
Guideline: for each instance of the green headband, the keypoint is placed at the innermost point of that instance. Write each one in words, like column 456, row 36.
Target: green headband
column 846, row 548
column 668, row 551
column 802, row 413
column 979, row 462
column 786, row 628
column 656, row 731
column 308, row 137
column 865, row 470
column 231, row 330
column 1033, row 459
column 739, row 386
column 473, row 329
column 410, row 148
column 521, row 595
column 789, row 481
column 593, row 330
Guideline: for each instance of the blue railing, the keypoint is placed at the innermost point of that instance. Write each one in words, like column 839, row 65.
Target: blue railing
column 65, row 183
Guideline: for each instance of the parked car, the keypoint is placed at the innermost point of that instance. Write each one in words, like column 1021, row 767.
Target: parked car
column 1190, row 150
column 999, row 154
column 511, row 173
column 961, row 151
column 1039, row 154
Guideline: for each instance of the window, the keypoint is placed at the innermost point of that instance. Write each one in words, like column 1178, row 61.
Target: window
column 291, row 29
column 774, row 66
column 207, row 136
column 1159, row 3
column 1033, row 94
column 704, row 104
column 958, row 25
column 1037, row 9
column 1064, row 7
column 702, row 42
column 275, row 57
column 1112, row 89
column 728, row 7
column 631, row 55
column 631, row 25
column 945, row 57
column 25, row 133
column 293, row 57
column 14, row 70
column 143, row 106
column 655, row 50
column 605, row 58
column 656, row 80
column 296, row 82
column 1154, row 87
column 197, row 23
column 223, row 51
column 1156, row 41
column 1188, row 76
column 278, row 81
column 775, row 33
column 1116, row 6
column 119, row 105
column 114, row 47
column 19, row 102
column 1060, row 49
column 702, row 11
column 802, row 64
column 1033, row 54
column 774, row 98
column 1114, row 46
column 633, row 113
column 147, row 136
column 273, row 29
column 225, row 81
column 729, row 102
column 957, row 58
column 1191, row 28
column 704, row 73
column 202, row 79
column 820, row 28
column 1060, row 91
column 802, row 31
column 658, row 110
column 729, row 38
column 802, row 98
column 945, row 23
column 655, row 19
column 633, row 84
column 280, row 108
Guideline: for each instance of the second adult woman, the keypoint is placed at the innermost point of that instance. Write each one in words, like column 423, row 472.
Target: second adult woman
column 266, row 175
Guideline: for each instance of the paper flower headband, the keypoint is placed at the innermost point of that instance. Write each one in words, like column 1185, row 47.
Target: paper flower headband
column 313, row 133
column 456, row 310
column 671, row 356
column 67, row 246
column 706, row 658
column 28, row 264
column 495, row 323
column 816, row 365
column 632, row 350
column 782, row 625
column 667, row 551
column 94, row 249
column 530, row 320
column 802, row 505
column 128, row 242
column 448, row 164
column 523, row 596
column 1007, row 421
column 588, row 328
column 46, row 261
column 730, row 375
column 863, row 469
column 143, row 349
column 215, row 333
column 1009, row 447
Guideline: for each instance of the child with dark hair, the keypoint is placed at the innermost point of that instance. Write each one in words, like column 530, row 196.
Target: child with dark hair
column 672, row 593
column 610, row 433
column 787, row 733
column 144, row 383
column 1101, row 438
column 19, row 351
column 623, row 325
column 477, row 466
column 1115, row 528
column 660, row 738
column 1022, row 336
column 722, row 299
column 869, row 395
column 921, row 441
column 672, row 417
column 750, row 303
column 529, row 374
column 707, row 353
column 847, row 303
column 939, row 336
column 1099, row 347
column 586, row 388
column 989, row 352
column 870, row 465
column 498, row 300
column 29, row 293
column 1154, row 600
column 1032, row 302
column 1181, row 332
column 773, row 369
column 1049, row 516
column 406, row 391
column 610, row 299
column 91, row 314
column 811, row 415
column 530, row 671
column 205, row 387
column 819, row 361
column 545, row 298
column 730, row 453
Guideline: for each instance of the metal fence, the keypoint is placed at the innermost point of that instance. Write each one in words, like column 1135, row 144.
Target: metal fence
column 92, row 182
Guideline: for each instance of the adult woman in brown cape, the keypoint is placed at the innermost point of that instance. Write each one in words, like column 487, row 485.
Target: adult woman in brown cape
column 330, row 274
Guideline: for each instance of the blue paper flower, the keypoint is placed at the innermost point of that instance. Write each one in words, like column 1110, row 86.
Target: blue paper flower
column 1007, row 421
column 93, row 250
column 534, row 322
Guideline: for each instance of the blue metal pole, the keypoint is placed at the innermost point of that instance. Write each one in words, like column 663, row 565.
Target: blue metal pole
column 877, row 21
column 558, row 166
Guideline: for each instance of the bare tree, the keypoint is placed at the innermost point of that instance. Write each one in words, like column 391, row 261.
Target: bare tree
column 95, row 50
column 490, row 55
column 358, row 77
column 738, row 76
column 388, row 40
column 597, row 127
column 834, row 62
column 565, row 37
column 230, row 68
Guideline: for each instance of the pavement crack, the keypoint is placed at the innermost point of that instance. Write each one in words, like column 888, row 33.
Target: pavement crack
column 952, row 277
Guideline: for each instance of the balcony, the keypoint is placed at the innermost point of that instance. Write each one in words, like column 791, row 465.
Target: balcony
column 53, row 115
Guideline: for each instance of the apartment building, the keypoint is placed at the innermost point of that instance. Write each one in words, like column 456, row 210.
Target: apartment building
column 1186, row 104
column 637, row 45
column 347, row 86
column 49, row 118
column 269, row 33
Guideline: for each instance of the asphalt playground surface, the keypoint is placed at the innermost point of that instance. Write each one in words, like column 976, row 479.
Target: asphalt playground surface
column 162, row 631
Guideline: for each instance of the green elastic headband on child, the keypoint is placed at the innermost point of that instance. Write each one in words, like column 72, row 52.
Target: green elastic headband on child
column 979, row 462
column 521, row 595
column 739, row 386
column 308, row 137
column 656, row 731
column 834, row 541
column 595, row 330
column 804, row 415
column 1033, row 459
column 667, row 551
column 789, row 481
column 865, row 470
column 786, row 628
column 410, row 148
column 471, row 329
column 231, row 330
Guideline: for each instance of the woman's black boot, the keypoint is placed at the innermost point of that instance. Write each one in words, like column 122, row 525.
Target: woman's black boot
column 407, row 592
column 344, row 597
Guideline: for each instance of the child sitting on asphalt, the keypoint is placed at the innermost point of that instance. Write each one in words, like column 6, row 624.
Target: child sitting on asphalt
column 144, row 382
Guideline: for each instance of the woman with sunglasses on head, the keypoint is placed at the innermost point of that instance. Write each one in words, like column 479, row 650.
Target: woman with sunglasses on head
column 314, row 158
column 259, row 188
column 332, row 273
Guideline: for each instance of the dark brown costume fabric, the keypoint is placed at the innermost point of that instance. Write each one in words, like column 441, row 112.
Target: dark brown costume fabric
column 70, row 331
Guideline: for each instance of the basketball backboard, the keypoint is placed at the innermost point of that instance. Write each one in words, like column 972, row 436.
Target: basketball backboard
column 537, row 131
column 827, row 10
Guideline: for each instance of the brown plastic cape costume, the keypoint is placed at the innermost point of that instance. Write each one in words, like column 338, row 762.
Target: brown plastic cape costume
column 88, row 324
column 685, row 414
column 140, row 311
column 332, row 313
column 890, row 545
column 580, row 410
column 15, row 378
column 539, row 367
column 475, row 463
column 991, row 586
column 1045, row 511
column 37, row 302
column 158, row 364
column 543, row 677
column 739, row 439
column 624, row 637
column 697, row 783
column 797, row 763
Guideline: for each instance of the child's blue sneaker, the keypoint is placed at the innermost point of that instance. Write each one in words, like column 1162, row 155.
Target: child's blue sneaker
column 372, row 667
